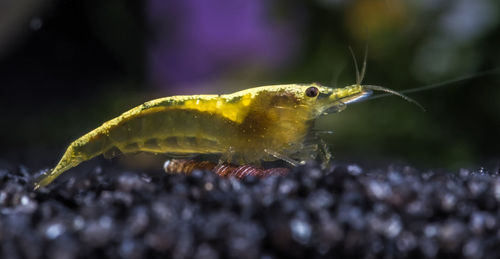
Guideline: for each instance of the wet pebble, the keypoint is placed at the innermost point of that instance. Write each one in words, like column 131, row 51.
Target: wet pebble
column 301, row 230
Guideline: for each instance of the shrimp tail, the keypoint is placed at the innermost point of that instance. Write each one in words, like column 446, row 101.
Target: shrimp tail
column 69, row 160
column 86, row 147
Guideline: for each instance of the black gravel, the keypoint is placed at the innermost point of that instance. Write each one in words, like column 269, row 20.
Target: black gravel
column 344, row 212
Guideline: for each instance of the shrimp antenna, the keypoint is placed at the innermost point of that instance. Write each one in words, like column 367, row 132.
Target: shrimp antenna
column 445, row 83
column 359, row 76
column 363, row 69
column 358, row 81
column 383, row 89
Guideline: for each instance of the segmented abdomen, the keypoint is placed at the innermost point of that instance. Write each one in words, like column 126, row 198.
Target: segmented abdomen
column 161, row 130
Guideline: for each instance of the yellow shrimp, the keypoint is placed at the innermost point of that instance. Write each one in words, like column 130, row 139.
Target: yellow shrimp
column 258, row 124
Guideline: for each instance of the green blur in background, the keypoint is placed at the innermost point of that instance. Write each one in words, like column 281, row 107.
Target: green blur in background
column 66, row 67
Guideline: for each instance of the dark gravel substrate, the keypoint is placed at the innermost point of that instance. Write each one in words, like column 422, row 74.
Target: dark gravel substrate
column 346, row 211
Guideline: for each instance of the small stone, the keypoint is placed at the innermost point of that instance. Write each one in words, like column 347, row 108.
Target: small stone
column 128, row 182
column 427, row 175
column 27, row 205
column 395, row 177
column 378, row 190
column 354, row 170
column 463, row 173
column 451, row 234
column 351, row 215
column 406, row 242
column 301, row 230
column 393, row 227
column 130, row 248
column 431, row 230
column 287, row 186
column 54, row 230
column 138, row 221
column 244, row 239
column 329, row 231
column 477, row 187
column 429, row 247
column 319, row 200
column 417, row 209
column 78, row 223
column 205, row 251
column 389, row 227
column 162, row 211
column 496, row 189
column 161, row 239
column 98, row 233
column 473, row 248
column 448, row 201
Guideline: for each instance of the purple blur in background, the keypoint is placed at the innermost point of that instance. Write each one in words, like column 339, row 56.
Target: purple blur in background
column 196, row 40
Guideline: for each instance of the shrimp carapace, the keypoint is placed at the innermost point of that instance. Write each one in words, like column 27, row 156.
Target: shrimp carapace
column 258, row 124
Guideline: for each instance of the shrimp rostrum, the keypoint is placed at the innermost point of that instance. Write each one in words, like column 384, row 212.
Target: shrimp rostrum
column 258, row 124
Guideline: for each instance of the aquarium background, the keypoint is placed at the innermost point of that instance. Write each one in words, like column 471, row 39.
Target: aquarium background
column 68, row 66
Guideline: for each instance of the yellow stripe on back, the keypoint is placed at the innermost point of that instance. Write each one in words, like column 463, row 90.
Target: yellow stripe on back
column 234, row 110
column 232, row 107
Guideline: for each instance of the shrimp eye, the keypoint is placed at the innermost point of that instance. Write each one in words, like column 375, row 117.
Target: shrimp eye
column 312, row 91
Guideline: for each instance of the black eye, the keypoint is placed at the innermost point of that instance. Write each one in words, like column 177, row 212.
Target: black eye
column 312, row 91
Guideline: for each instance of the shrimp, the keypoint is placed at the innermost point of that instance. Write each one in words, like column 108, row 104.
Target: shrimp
column 259, row 124
column 264, row 123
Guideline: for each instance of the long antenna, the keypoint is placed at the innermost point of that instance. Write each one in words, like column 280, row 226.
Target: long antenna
column 444, row 83
column 392, row 92
column 358, row 77
column 363, row 69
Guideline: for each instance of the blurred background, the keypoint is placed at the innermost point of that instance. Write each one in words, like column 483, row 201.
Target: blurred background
column 68, row 66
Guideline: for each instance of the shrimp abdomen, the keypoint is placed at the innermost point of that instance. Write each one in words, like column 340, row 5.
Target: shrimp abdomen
column 166, row 128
